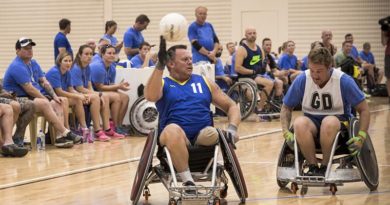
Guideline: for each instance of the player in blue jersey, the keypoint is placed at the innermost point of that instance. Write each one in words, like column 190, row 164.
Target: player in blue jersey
column 183, row 101
column 327, row 96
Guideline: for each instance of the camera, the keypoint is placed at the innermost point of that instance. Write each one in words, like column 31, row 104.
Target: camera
column 385, row 23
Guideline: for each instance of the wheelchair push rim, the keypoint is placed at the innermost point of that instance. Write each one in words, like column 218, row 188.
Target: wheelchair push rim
column 143, row 116
column 366, row 160
column 237, row 94
column 144, row 166
column 233, row 168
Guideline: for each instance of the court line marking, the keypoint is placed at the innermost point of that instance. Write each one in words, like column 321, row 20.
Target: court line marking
column 120, row 162
column 311, row 196
column 269, row 162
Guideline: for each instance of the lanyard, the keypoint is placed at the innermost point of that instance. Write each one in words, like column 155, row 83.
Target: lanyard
column 30, row 71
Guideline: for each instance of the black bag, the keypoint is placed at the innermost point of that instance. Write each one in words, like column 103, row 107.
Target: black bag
column 380, row 90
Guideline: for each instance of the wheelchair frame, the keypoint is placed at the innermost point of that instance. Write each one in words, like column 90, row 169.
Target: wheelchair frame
column 148, row 174
column 293, row 172
column 247, row 106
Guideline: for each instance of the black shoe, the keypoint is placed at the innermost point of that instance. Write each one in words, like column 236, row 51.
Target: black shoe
column 76, row 139
column 190, row 188
column 63, row 142
column 13, row 150
column 322, row 170
column 18, row 141
column 313, row 170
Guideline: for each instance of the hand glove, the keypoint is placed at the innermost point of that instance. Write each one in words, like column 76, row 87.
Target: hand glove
column 162, row 54
column 355, row 144
column 231, row 133
column 289, row 137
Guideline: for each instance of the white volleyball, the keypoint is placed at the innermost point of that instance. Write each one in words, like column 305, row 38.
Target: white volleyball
column 173, row 27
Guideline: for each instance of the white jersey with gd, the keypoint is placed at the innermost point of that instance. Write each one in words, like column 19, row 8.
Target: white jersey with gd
column 326, row 100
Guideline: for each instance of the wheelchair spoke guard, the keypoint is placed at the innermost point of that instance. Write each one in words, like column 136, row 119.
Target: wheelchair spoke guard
column 143, row 116
column 366, row 160
column 144, row 167
column 232, row 166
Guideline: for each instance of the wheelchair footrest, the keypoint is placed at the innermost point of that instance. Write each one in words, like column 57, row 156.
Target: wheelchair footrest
column 202, row 192
column 311, row 180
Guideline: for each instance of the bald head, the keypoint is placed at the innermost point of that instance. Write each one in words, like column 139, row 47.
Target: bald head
column 91, row 42
column 326, row 36
column 201, row 14
column 250, row 34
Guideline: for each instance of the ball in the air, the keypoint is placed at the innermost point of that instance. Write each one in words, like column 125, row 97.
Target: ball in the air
column 173, row 27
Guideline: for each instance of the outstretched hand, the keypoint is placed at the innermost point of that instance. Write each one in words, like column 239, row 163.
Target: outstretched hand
column 162, row 54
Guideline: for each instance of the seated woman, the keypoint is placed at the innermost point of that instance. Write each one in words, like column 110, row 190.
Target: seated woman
column 81, row 80
column 103, row 75
column 60, row 78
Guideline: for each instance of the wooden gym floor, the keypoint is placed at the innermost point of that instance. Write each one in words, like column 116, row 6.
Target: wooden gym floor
column 102, row 173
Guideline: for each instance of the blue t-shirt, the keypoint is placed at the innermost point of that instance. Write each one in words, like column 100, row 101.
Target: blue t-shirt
column 58, row 80
column 219, row 69
column 132, row 39
column 80, row 76
column 305, row 63
column 205, row 35
column 96, row 57
column 112, row 39
column 186, row 104
column 18, row 73
column 286, row 62
column 137, row 62
column 102, row 75
column 233, row 68
column 369, row 58
column 350, row 93
column 354, row 53
column 60, row 40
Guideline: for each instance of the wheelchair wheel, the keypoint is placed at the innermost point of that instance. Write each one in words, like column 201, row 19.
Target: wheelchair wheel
column 144, row 167
column 233, row 168
column 244, row 94
column 143, row 116
column 366, row 160
column 286, row 159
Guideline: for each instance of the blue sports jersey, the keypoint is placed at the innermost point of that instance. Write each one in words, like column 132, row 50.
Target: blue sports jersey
column 254, row 61
column 205, row 35
column 132, row 39
column 186, row 104
column 80, row 76
column 369, row 57
column 60, row 40
column 286, row 62
column 354, row 52
column 18, row 73
column 112, row 39
column 96, row 57
column 219, row 69
column 137, row 62
column 58, row 80
column 305, row 63
column 350, row 93
column 102, row 75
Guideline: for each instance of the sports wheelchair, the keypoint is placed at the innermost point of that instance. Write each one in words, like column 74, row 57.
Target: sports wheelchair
column 245, row 92
column 342, row 167
column 204, row 168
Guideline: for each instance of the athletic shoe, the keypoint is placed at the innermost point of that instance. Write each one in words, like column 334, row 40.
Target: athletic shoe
column 101, row 136
column 114, row 135
column 190, row 188
column 18, row 141
column 13, row 150
column 63, row 142
column 122, row 131
column 314, row 170
column 76, row 139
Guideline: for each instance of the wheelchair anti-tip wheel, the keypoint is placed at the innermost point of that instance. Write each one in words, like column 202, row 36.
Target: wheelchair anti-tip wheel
column 244, row 94
column 143, row 116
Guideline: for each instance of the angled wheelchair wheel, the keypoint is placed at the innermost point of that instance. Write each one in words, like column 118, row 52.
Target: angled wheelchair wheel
column 144, row 167
column 286, row 159
column 232, row 166
column 244, row 94
column 143, row 116
column 366, row 160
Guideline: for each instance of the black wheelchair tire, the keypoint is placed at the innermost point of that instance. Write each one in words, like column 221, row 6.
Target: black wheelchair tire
column 282, row 154
column 245, row 109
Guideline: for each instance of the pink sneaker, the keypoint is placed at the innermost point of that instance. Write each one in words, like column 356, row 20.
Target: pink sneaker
column 114, row 135
column 101, row 136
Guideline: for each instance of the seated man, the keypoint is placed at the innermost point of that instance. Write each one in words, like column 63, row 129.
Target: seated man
column 221, row 78
column 183, row 102
column 8, row 148
column 25, row 77
column 368, row 63
column 144, row 58
column 326, row 95
column 250, row 63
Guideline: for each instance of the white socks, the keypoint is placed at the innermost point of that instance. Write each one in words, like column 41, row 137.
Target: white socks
column 186, row 176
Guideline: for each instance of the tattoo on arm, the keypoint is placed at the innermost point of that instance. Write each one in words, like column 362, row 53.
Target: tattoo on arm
column 49, row 90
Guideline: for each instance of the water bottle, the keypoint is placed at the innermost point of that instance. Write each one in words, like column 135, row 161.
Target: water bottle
column 41, row 144
column 91, row 135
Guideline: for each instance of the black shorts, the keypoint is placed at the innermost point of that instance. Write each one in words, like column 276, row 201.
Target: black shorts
column 387, row 66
